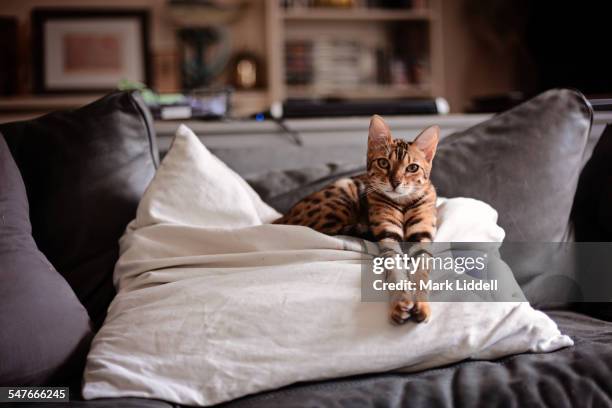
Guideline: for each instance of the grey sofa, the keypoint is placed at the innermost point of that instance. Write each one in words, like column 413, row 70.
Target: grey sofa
column 538, row 165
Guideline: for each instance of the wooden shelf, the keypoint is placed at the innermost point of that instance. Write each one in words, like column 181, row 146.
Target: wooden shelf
column 40, row 103
column 245, row 103
column 27, row 106
column 356, row 14
column 361, row 92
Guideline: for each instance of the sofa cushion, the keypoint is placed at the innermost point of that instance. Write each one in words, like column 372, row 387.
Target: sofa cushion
column 45, row 331
column 524, row 162
column 84, row 172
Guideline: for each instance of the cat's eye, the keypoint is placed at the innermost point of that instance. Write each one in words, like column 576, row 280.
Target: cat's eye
column 383, row 163
column 412, row 168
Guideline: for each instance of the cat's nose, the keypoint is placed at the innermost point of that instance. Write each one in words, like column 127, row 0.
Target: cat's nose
column 394, row 183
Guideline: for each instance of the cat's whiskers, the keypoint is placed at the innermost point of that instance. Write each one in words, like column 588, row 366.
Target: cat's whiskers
column 373, row 187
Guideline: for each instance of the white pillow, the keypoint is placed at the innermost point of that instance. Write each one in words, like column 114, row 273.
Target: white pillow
column 201, row 191
column 213, row 305
column 467, row 220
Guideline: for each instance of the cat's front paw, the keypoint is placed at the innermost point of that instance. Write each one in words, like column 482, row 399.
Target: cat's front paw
column 421, row 312
column 400, row 308
column 404, row 308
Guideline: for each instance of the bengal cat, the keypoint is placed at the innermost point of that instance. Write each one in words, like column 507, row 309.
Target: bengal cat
column 393, row 201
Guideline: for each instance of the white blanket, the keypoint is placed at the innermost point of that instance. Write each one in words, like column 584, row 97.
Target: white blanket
column 213, row 305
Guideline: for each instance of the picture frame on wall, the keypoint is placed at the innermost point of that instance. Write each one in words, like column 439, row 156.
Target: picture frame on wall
column 89, row 50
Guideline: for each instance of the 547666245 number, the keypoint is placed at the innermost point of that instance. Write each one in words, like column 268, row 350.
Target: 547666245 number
column 34, row 394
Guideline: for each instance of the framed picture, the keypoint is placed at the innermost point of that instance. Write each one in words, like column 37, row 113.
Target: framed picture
column 89, row 50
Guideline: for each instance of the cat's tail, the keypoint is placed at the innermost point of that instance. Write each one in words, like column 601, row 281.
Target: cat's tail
column 281, row 220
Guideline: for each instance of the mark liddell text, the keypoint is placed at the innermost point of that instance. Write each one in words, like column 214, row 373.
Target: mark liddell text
column 429, row 285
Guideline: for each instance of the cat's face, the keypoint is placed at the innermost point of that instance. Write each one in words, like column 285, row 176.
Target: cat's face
column 397, row 168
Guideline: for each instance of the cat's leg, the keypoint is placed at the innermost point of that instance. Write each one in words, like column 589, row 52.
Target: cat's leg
column 420, row 228
column 386, row 224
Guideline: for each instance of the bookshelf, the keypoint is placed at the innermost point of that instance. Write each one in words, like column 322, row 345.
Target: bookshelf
column 267, row 27
column 417, row 29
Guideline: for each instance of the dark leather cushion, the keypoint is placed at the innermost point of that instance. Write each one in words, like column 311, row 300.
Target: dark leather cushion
column 85, row 171
column 524, row 162
column 44, row 329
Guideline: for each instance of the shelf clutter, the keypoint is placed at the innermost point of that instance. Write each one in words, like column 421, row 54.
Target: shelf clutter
column 350, row 68
column 13, row 108
column 358, row 49
column 350, row 50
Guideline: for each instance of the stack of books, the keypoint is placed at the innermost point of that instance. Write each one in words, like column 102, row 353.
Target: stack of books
column 336, row 64
column 298, row 62
column 330, row 64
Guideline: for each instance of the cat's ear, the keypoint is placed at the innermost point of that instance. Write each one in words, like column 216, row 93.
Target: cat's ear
column 427, row 141
column 379, row 134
